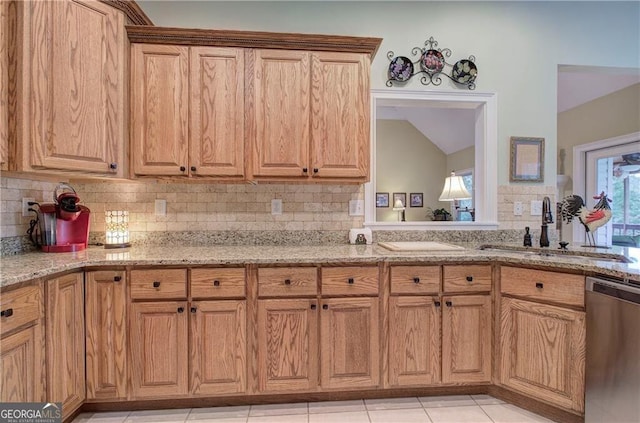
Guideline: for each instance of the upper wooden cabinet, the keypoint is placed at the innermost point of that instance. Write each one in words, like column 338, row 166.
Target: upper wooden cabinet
column 70, row 87
column 308, row 115
column 187, row 111
column 4, row 84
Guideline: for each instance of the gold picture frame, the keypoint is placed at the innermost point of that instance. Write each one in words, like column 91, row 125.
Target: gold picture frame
column 527, row 159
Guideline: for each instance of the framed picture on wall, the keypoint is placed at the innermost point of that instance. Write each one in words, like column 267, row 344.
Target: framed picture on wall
column 402, row 196
column 382, row 199
column 527, row 160
column 415, row 199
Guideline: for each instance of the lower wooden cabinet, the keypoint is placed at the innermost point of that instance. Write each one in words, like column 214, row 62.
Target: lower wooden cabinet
column 218, row 347
column 466, row 339
column 287, row 345
column 159, row 345
column 22, row 369
column 65, row 341
column 542, row 352
column 106, row 343
column 414, row 341
column 349, row 343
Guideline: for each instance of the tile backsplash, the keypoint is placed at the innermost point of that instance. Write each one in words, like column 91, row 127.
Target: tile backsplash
column 232, row 209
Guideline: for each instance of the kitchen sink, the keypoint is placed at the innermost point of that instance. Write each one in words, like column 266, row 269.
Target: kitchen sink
column 545, row 252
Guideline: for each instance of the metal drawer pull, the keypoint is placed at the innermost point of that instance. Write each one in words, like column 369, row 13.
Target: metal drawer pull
column 180, row 309
column 216, row 283
column 287, row 281
column 448, row 303
column 117, row 278
column 6, row 313
column 313, row 306
column 539, row 285
column 469, row 278
column 436, row 303
column 350, row 281
column 325, row 306
column 193, row 309
column 416, row 280
column 156, row 284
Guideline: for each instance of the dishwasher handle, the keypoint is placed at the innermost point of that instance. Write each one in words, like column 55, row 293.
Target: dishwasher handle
column 615, row 289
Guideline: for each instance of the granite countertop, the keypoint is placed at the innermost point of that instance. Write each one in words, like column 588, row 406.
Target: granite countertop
column 24, row 267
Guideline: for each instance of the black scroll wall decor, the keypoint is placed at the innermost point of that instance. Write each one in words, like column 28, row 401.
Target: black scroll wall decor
column 432, row 64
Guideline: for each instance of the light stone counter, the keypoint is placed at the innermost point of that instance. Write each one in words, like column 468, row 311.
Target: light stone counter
column 24, row 267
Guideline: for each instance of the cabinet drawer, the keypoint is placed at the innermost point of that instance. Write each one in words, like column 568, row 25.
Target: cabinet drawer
column 352, row 280
column 287, row 281
column 465, row 278
column 217, row 283
column 158, row 284
column 415, row 279
column 19, row 307
column 542, row 285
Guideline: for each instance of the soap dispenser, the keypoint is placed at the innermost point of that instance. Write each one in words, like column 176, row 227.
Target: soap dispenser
column 527, row 238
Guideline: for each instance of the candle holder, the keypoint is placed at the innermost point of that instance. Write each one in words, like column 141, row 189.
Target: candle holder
column 116, row 229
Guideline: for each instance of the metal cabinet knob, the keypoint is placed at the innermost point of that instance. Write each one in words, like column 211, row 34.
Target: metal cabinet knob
column 448, row 303
column 416, row 280
column 539, row 285
column 117, row 278
column 6, row 313
column 182, row 168
column 156, row 284
column 436, row 303
column 351, row 281
column 193, row 168
column 305, row 170
column 469, row 278
column 313, row 306
column 194, row 309
column 180, row 309
column 287, row 281
column 325, row 306
column 216, row 283
column 113, row 166
column 316, row 170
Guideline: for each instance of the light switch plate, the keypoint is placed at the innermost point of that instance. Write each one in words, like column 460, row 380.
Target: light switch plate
column 161, row 207
column 276, row 206
column 356, row 207
column 536, row 208
column 517, row 208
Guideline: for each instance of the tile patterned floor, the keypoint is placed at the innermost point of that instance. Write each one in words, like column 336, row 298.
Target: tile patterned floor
column 438, row 409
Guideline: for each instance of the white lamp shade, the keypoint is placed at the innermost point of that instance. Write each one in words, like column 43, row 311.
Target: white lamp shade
column 454, row 189
column 398, row 206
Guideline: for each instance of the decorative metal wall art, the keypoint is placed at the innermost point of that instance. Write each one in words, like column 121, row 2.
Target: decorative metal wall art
column 432, row 64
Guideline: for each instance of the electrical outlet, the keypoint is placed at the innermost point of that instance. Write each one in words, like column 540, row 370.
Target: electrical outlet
column 161, row 207
column 536, row 208
column 25, row 206
column 276, row 206
column 517, row 208
column 356, row 207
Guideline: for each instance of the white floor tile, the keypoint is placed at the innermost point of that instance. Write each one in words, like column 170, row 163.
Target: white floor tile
column 294, row 418
column 82, row 418
column 343, row 417
column 392, row 403
column 219, row 412
column 278, row 409
column 447, row 401
column 508, row 413
column 336, row 406
column 110, row 417
column 156, row 416
column 486, row 400
column 220, row 420
column 466, row 414
column 411, row 415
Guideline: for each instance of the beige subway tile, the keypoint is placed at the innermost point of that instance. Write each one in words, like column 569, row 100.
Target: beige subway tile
column 177, row 226
column 294, row 226
column 303, row 217
column 196, row 207
column 156, row 226
column 256, row 226
column 312, row 207
column 312, row 226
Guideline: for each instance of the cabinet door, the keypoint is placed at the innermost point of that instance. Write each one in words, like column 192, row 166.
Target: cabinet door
column 542, row 352
column 287, row 345
column 159, row 349
column 77, row 59
column 216, row 141
column 279, row 113
column 349, row 343
column 340, row 115
column 4, row 84
column 466, row 339
column 218, row 347
column 414, row 341
column 65, row 342
column 160, row 109
column 21, row 366
column 106, row 319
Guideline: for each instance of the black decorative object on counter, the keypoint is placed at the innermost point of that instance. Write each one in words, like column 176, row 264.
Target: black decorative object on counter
column 432, row 65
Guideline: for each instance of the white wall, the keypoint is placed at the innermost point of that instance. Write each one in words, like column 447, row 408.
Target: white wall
column 518, row 45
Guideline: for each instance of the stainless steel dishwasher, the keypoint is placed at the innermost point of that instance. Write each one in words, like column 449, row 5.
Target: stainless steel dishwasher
column 613, row 352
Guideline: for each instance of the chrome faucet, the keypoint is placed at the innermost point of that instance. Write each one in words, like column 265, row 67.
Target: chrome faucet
column 547, row 218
